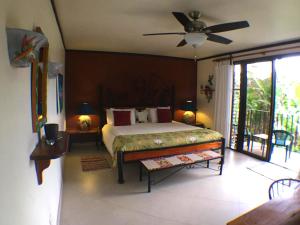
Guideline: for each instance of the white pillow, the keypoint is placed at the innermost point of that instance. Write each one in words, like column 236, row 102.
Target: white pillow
column 110, row 115
column 142, row 116
column 153, row 113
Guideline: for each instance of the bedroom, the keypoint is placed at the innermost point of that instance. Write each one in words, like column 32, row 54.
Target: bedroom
column 104, row 28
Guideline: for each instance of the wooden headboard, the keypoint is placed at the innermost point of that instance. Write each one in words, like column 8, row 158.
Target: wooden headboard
column 139, row 93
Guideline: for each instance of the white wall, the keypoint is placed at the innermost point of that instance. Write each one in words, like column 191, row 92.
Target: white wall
column 22, row 200
column 205, row 113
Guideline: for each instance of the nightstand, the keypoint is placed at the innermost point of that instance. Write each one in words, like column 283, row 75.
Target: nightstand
column 79, row 136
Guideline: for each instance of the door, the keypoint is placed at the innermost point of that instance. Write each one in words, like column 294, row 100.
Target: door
column 252, row 107
column 286, row 152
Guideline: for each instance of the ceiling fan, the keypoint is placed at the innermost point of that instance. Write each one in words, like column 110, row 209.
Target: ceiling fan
column 196, row 31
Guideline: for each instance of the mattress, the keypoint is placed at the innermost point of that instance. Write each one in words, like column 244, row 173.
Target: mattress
column 125, row 135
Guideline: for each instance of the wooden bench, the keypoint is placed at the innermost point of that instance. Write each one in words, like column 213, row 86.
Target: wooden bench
column 182, row 160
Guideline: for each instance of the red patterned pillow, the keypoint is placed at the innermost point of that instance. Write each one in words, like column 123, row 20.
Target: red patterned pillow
column 164, row 115
column 122, row 118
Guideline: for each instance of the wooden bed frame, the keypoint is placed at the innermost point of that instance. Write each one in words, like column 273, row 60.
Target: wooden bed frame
column 147, row 94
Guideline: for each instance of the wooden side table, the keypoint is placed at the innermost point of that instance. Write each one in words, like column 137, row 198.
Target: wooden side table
column 79, row 136
column 43, row 153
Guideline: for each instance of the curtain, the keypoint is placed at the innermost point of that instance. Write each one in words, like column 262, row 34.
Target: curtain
column 223, row 96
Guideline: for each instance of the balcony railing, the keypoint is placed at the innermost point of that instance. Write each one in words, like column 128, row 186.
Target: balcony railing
column 257, row 122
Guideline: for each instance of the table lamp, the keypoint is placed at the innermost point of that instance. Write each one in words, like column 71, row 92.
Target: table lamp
column 189, row 116
column 85, row 110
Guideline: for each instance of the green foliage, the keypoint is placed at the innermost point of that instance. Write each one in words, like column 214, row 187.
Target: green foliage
column 287, row 104
column 258, row 94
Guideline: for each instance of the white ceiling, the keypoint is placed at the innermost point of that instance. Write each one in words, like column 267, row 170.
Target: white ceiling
column 118, row 25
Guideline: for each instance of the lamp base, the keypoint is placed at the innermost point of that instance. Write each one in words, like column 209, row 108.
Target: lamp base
column 189, row 117
column 84, row 123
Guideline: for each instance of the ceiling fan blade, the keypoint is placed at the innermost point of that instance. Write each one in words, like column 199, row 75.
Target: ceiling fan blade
column 178, row 33
column 182, row 18
column 226, row 27
column 219, row 39
column 182, row 43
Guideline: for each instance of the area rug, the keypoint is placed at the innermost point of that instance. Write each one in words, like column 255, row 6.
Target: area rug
column 272, row 171
column 95, row 162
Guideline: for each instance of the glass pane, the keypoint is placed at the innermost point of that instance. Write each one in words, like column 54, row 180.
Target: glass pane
column 237, row 76
column 287, row 112
column 235, row 105
column 259, row 84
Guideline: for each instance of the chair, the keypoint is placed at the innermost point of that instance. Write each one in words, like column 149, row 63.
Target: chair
column 283, row 188
column 283, row 139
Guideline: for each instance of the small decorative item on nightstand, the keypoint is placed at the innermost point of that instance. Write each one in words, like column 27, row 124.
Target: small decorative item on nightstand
column 84, row 119
column 189, row 116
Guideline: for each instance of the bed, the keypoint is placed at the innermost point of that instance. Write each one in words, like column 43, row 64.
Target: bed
column 120, row 142
column 151, row 140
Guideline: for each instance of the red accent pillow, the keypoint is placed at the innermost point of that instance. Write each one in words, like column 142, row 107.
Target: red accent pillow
column 122, row 118
column 164, row 115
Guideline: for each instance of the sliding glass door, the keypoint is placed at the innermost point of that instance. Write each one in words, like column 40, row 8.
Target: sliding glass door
column 235, row 106
column 258, row 108
column 266, row 110
column 287, row 113
column 251, row 108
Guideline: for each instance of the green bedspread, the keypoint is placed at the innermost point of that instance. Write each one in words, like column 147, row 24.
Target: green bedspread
column 160, row 140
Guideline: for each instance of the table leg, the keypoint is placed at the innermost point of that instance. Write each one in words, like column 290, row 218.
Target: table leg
column 70, row 144
column 97, row 143
column 263, row 147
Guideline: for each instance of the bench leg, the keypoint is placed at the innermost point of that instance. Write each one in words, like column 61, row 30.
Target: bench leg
column 149, row 182
column 221, row 166
column 223, row 150
column 141, row 172
column 223, row 155
column 207, row 163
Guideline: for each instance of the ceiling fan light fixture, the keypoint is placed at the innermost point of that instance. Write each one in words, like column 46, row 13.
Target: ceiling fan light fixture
column 195, row 39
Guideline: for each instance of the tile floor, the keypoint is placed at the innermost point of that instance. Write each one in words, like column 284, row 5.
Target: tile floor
column 196, row 196
column 278, row 156
column 293, row 162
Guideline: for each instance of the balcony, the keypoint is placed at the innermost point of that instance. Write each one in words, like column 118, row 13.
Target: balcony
column 256, row 130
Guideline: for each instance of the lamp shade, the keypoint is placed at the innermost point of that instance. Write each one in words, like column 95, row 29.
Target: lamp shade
column 196, row 39
column 188, row 106
column 85, row 109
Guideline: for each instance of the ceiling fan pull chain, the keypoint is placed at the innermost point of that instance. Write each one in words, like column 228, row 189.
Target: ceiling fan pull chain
column 195, row 52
